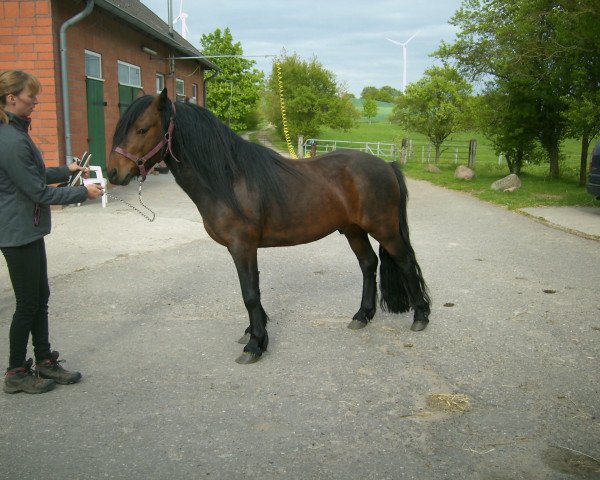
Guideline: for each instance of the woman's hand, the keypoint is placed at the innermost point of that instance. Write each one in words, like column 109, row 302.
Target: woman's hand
column 75, row 167
column 94, row 190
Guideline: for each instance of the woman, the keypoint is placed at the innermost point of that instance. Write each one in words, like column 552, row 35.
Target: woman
column 25, row 199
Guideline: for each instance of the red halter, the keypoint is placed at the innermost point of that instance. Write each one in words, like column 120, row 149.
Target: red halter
column 139, row 162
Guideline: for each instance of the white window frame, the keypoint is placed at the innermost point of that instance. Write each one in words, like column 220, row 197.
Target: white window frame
column 99, row 57
column 131, row 67
column 160, row 77
column 194, row 98
column 178, row 82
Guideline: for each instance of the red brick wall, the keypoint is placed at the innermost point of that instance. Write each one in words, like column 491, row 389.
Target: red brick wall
column 27, row 43
column 30, row 31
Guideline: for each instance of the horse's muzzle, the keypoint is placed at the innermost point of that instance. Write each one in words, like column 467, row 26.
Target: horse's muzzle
column 113, row 177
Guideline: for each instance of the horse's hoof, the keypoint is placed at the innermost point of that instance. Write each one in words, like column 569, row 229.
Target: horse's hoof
column 356, row 325
column 247, row 358
column 244, row 339
column 419, row 325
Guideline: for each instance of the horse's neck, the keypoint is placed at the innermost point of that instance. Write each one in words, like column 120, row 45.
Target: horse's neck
column 186, row 179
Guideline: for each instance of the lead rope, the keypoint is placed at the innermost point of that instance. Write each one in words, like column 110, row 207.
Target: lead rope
column 135, row 208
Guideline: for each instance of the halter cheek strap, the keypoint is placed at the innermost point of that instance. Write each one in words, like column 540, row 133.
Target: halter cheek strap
column 140, row 162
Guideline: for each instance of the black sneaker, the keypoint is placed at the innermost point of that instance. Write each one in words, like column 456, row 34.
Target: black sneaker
column 52, row 369
column 22, row 379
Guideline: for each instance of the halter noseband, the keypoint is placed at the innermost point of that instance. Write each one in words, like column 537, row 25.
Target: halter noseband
column 139, row 162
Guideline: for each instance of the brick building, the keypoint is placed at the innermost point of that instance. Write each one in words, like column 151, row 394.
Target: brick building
column 93, row 57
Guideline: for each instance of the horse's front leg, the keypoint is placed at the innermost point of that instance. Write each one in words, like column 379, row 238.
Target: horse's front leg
column 247, row 269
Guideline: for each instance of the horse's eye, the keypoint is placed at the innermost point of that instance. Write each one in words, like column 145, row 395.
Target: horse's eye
column 142, row 131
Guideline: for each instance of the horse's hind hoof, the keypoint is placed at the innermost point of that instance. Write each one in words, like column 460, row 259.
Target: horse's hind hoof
column 419, row 325
column 247, row 358
column 356, row 325
column 244, row 339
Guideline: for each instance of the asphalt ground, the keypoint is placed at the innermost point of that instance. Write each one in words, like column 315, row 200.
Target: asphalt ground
column 503, row 384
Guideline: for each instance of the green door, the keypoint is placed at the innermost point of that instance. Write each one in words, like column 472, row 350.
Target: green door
column 127, row 95
column 96, row 131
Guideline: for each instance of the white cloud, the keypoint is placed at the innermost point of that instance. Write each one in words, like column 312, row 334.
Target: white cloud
column 348, row 38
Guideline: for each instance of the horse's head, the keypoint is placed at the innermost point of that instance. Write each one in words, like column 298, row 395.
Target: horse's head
column 141, row 138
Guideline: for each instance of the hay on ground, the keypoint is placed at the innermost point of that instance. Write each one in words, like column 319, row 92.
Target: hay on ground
column 449, row 402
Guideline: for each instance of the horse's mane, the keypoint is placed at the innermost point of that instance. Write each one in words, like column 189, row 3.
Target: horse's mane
column 220, row 156
column 217, row 154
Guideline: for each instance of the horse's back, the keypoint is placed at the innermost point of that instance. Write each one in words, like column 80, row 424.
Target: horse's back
column 352, row 170
column 333, row 192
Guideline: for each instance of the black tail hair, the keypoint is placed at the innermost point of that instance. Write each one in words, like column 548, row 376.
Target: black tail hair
column 393, row 284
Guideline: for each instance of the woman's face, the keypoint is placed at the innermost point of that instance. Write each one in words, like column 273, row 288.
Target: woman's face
column 22, row 104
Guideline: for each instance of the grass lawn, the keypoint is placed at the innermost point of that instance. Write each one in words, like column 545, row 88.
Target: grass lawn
column 537, row 188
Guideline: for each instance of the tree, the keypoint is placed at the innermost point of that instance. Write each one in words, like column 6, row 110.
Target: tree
column 578, row 27
column 506, row 123
column 232, row 95
column 312, row 98
column 369, row 92
column 383, row 94
column 583, row 119
column 520, row 45
column 436, row 106
column 369, row 108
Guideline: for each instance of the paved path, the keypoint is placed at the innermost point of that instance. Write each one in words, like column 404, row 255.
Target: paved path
column 150, row 313
column 584, row 221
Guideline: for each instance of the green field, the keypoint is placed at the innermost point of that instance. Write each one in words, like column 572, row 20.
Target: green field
column 537, row 189
column 384, row 110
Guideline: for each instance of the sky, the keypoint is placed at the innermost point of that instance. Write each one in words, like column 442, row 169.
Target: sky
column 347, row 37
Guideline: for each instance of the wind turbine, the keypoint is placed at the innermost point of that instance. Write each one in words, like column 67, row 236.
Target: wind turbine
column 403, row 45
column 182, row 16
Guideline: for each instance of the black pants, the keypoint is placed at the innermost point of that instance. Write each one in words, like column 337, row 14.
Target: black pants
column 28, row 271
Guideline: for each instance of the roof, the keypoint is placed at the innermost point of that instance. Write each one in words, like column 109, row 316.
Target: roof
column 137, row 14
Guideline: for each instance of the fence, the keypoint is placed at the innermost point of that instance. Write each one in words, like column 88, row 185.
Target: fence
column 407, row 150
column 410, row 150
column 464, row 152
column 317, row 146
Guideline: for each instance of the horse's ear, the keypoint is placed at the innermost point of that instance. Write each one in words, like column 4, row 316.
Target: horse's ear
column 163, row 99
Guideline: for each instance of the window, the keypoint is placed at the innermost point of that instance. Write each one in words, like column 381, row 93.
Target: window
column 160, row 82
column 129, row 74
column 93, row 65
column 194, row 98
column 180, row 89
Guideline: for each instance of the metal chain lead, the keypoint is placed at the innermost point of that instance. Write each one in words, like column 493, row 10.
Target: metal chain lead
column 135, row 208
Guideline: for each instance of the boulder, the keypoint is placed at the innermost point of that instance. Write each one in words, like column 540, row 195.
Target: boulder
column 464, row 173
column 431, row 168
column 510, row 183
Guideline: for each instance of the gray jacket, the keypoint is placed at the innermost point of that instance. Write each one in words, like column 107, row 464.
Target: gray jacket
column 25, row 196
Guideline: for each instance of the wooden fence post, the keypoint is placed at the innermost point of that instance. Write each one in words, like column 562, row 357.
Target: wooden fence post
column 472, row 153
column 300, row 146
column 404, row 151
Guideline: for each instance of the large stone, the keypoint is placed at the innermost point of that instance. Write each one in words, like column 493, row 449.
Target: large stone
column 464, row 173
column 510, row 183
column 431, row 168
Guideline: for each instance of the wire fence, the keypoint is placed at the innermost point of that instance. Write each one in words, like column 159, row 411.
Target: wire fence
column 467, row 152
column 317, row 146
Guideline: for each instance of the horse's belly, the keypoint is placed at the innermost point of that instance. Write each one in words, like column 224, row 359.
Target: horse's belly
column 297, row 233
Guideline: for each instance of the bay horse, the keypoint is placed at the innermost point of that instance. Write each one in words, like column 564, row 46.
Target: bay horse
column 251, row 197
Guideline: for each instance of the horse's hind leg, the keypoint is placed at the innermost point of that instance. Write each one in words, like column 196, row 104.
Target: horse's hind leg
column 402, row 284
column 359, row 242
column 247, row 268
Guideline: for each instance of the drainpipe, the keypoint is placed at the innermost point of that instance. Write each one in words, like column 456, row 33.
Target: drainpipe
column 65, row 77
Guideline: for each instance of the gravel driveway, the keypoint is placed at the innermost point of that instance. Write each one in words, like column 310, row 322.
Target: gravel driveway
column 503, row 384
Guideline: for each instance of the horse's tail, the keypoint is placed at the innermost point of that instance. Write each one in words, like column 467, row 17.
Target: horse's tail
column 397, row 293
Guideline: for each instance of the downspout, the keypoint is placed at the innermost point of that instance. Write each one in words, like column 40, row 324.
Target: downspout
column 65, row 77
